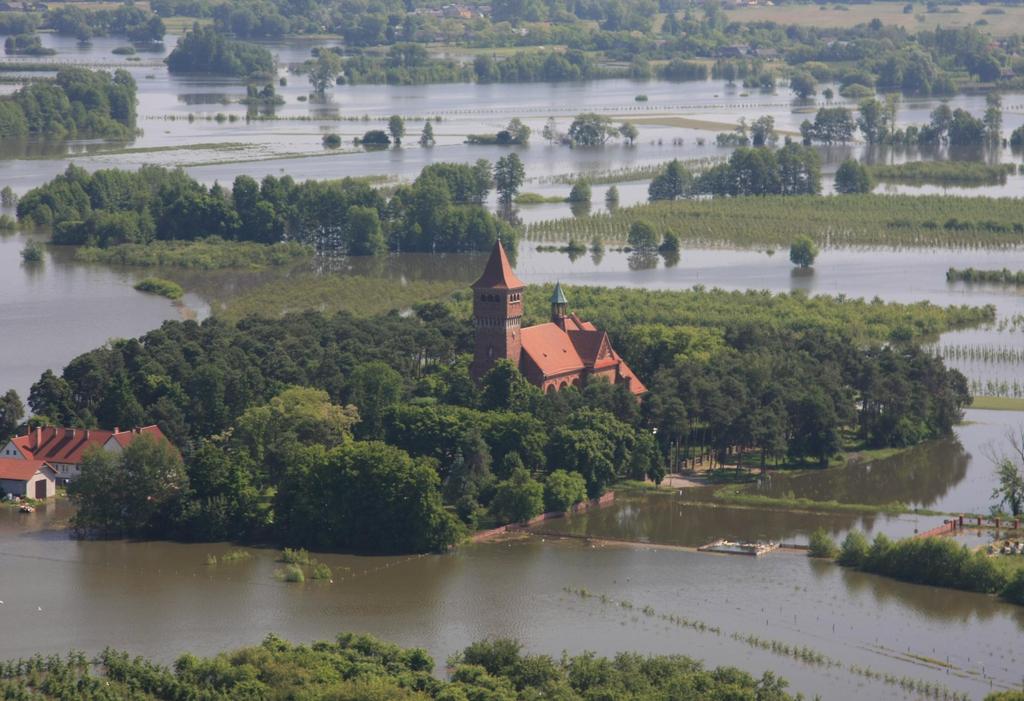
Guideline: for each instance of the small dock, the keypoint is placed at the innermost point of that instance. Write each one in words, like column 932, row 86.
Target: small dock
column 729, row 547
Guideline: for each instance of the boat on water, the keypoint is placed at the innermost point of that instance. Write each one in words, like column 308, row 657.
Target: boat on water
column 730, row 547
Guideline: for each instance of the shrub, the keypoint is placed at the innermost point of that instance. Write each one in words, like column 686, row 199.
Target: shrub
column 803, row 251
column 321, row 571
column 332, row 140
column 822, row 544
column 564, row 489
column 519, row 498
column 854, row 550
column 295, row 557
column 580, row 192
column 291, row 573
column 1014, row 591
column 32, row 252
column 158, row 286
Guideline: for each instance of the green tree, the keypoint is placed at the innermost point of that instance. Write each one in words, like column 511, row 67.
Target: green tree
column 590, row 129
column 427, row 135
column 563, row 489
column 580, row 192
column 324, row 72
column 643, row 236
column 11, row 414
column 366, row 235
column 854, row 549
column 822, row 545
column 674, row 182
column 852, row 177
column 1010, row 491
column 373, row 387
column 629, row 132
column 803, row 251
column 519, row 498
column 509, row 175
column 136, row 492
column 803, row 84
column 396, row 128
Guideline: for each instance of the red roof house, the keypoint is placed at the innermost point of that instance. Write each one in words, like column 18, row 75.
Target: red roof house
column 564, row 352
column 27, row 478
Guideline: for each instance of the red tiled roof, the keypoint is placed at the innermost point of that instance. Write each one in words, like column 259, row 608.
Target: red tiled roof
column 124, row 438
column 68, row 445
column 498, row 271
column 551, row 349
column 61, row 445
column 588, row 344
column 633, row 383
column 21, row 470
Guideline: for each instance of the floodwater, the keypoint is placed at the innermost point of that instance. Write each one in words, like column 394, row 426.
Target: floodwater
column 161, row 599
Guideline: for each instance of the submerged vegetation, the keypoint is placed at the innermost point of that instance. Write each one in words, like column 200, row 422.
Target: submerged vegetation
column 850, row 220
column 951, row 173
column 207, row 254
column 363, row 667
column 159, row 286
column 1002, row 277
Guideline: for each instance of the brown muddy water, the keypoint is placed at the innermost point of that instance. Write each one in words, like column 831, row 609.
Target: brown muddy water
column 162, row 599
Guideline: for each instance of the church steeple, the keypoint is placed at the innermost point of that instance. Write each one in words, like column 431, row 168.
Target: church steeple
column 559, row 304
column 497, row 314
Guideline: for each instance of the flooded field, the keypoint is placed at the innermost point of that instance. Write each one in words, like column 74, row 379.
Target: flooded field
column 160, row 599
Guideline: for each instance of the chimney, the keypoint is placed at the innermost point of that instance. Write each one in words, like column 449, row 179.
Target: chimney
column 117, row 429
column 86, row 434
column 39, row 437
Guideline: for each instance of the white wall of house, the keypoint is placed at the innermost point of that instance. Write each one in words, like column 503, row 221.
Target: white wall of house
column 27, row 488
column 9, row 451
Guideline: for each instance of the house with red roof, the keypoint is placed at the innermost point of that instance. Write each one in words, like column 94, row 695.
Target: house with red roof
column 563, row 352
column 63, row 448
column 27, row 478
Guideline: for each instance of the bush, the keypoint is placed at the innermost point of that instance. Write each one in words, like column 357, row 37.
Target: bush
column 580, row 192
column 291, row 573
column 854, row 550
column 852, row 177
column 803, row 251
column 375, row 137
column 1014, row 591
column 331, row 140
column 321, row 571
column 32, row 252
column 564, row 489
column 822, row 545
column 158, row 286
column 643, row 237
column 519, row 498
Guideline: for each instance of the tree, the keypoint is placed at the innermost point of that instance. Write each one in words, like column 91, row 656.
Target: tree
column 563, row 489
column 1010, row 492
column 852, row 177
column 671, row 184
column 427, row 135
column 822, row 545
column 993, row 117
column 11, row 413
column 551, row 131
column 873, row 122
column 366, row 236
column 629, row 132
column 762, row 131
column 643, row 236
column 134, row 493
column 509, row 175
column 611, row 198
column 590, row 129
column 803, row 84
column 803, row 251
column 580, row 192
column 519, row 498
column 373, row 387
column 396, row 128
column 324, row 72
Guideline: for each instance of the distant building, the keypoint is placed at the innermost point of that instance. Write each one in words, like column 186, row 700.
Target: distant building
column 33, row 479
column 564, row 352
column 62, row 448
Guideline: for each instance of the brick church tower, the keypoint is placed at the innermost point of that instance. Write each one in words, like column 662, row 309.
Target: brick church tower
column 497, row 314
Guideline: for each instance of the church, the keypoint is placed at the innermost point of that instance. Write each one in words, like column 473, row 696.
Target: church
column 564, row 352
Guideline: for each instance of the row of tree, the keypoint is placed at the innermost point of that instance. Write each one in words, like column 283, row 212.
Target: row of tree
column 79, row 102
column 441, row 211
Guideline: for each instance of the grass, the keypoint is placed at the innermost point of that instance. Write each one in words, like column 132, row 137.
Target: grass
column 363, row 296
column 731, row 495
column 208, row 254
column 963, row 173
column 159, row 286
column 835, row 221
column 999, row 403
column 534, row 198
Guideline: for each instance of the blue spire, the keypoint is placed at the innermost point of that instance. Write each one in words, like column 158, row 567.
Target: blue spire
column 558, row 297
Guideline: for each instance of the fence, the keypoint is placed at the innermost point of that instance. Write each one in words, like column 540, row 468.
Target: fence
column 603, row 500
column 953, row 525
